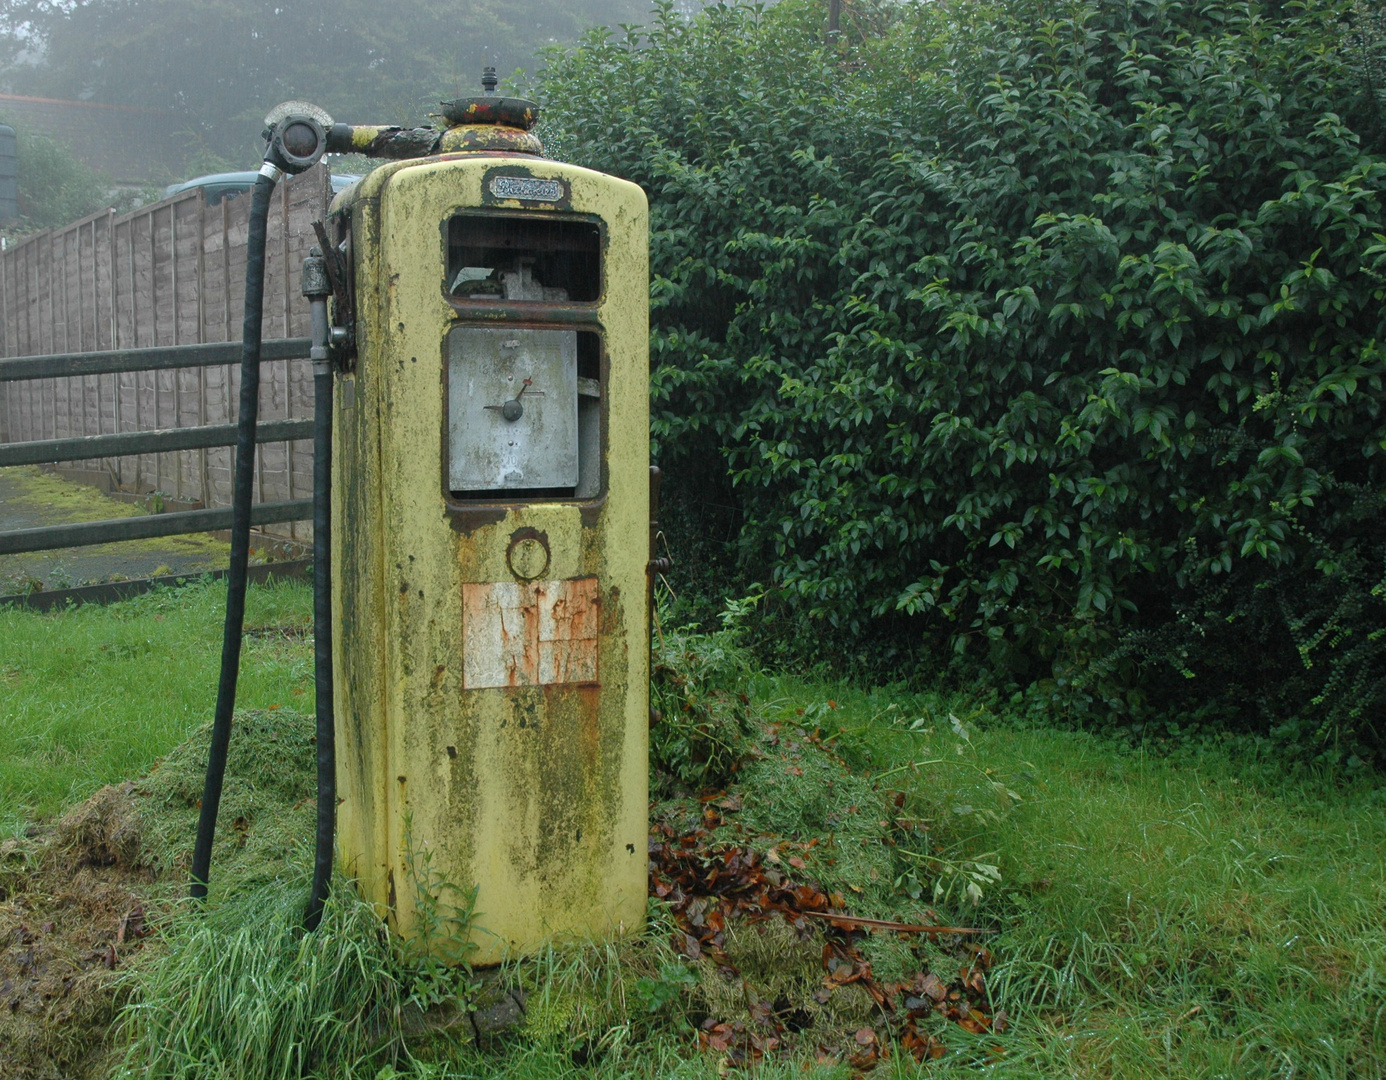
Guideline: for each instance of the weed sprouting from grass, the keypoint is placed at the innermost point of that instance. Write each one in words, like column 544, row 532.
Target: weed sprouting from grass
column 245, row 994
column 654, row 993
column 433, row 959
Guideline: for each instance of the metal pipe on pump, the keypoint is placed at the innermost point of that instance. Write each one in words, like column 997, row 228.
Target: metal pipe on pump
column 317, row 287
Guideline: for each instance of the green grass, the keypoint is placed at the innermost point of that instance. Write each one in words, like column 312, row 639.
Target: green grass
column 1203, row 915
column 247, row 994
column 92, row 695
column 1204, row 912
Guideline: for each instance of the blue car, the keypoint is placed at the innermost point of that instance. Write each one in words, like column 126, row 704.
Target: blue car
column 227, row 185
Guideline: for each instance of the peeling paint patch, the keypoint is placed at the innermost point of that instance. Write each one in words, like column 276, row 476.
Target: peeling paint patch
column 535, row 633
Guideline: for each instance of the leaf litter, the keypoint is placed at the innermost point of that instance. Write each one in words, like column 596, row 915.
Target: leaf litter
column 760, row 880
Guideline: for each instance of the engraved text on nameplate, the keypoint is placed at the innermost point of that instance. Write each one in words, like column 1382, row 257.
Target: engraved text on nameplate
column 530, row 188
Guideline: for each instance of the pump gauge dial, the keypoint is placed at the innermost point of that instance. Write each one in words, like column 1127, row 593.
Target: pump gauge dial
column 512, row 409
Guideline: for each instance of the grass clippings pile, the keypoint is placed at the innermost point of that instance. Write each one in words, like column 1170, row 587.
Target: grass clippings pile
column 72, row 912
column 80, row 900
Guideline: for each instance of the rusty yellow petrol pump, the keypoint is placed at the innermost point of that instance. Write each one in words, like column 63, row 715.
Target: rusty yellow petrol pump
column 490, row 497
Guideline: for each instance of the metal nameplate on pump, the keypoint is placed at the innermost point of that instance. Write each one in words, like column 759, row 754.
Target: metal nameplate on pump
column 528, row 188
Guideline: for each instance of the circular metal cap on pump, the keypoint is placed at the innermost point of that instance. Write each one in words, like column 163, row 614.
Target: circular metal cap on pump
column 512, row 112
column 491, row 123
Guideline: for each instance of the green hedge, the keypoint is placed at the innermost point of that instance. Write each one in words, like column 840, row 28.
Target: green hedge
column 1042, row 337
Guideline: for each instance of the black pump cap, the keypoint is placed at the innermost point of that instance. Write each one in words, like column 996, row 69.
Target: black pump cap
column 489, row 82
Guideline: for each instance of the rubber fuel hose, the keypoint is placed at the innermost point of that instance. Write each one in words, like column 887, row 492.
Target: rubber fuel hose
column 242, row 493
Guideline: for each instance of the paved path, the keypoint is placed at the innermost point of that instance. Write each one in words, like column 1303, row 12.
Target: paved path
column 30, row 498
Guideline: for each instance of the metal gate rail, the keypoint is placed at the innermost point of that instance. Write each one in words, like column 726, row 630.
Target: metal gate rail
column 84, row 534
column 41, row 452
column 113, row 361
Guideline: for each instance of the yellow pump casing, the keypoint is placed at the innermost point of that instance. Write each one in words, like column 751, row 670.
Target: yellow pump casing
column 492, row 646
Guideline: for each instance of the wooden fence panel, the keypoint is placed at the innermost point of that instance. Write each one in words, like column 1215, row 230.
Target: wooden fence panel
column 172, row 273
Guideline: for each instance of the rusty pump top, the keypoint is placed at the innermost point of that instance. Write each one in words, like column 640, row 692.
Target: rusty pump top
column 299, row 133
